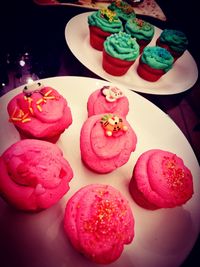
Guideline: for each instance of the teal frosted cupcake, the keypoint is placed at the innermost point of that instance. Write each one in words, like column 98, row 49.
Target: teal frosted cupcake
column 124, row 10
column 154, row 62
column 119, row 53
column 175, row 41
column 103, row 23
column 142, row 30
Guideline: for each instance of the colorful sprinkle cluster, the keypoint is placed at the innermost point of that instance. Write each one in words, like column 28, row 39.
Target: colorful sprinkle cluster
column 175, row 175
column 106, row 219
column 108, row 14
column 125, row 7
column 21, row 116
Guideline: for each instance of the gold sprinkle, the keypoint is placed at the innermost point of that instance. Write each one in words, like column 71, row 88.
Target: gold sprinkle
column 21, row 113
column 39, row 101
column 15, row 119
column 39, row 108
column 30, row 99
column 49, row 97
column 48, row 93
column 31, row 110
column 15, row 109
column 26, row 120
column 25, row 116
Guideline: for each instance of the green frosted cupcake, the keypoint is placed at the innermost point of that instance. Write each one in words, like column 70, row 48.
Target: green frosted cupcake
column 154, row 62
column 124, row 10
column 103, row 23
column 120, row 52
column 175, row 41
column 142, row 30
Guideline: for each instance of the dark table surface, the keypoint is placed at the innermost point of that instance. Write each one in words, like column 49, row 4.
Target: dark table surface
column 38, row 30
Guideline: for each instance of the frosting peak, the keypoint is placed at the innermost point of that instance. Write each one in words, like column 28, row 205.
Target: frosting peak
column 157, row 57
column 106, row 20
column 122, row 46
column 123, row 9
column 139, row 29
column 176, row 39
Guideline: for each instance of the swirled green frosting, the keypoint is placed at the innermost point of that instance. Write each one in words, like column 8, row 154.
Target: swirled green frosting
column 157, row 58
column 106, row 20
column 139, row 29
column 175, row 39
column 121, row 45
column 123, row 10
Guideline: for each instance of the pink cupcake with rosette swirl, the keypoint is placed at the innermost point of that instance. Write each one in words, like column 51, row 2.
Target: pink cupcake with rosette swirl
column 99, row 222
column 106, row 142
column 161, row 180
column 108, row 99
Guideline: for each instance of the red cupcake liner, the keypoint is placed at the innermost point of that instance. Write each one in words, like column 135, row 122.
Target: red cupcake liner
column 148, row 73
column 115, row 66
column 175, row 54
column 97, row 37
column 142, row 44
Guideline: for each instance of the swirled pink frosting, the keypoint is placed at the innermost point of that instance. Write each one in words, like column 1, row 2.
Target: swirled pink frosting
column 103, row 153
column 99, row 222
column 44, row 117
column 162, row 179
column 97, row 104
column 34, row 174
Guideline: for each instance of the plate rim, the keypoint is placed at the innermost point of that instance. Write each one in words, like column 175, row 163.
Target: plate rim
column 136, row 97
column 111, row 78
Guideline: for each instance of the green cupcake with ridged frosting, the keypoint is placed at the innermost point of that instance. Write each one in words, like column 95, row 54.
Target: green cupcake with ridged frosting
column 154, row 62
column 124, row 10
column 103, row 23
column 120, row 52
column 140, row 29
column 175, row 41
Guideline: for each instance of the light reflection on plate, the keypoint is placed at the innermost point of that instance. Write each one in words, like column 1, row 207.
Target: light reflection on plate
column 162, row 238
column 179, row 79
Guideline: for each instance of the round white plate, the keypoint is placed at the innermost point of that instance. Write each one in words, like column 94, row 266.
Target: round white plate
column 162, row 238
column 180, row 78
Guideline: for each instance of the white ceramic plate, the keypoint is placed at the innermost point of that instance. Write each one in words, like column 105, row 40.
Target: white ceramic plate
column 179, row 79
column 162, row 238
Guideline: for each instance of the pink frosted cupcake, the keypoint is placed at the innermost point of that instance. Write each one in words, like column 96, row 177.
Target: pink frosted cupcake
column 33, row 175
column 99, row 222
column 160, row 180
column 108, row 99
column 40, row 112
column 106, row 142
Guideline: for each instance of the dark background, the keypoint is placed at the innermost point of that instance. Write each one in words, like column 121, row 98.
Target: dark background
column 25, row 26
